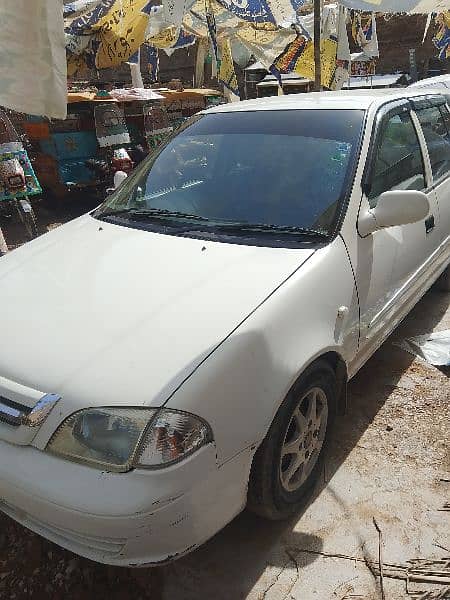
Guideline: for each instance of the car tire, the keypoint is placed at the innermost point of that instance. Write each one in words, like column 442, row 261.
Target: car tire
column 443, row 283
column 277, row 487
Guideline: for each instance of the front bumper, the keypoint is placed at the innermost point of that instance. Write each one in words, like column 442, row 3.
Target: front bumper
column 138, row 518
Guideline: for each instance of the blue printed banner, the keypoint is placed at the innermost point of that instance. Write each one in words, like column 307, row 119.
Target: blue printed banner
column 263, row 11
column 256, row 11
column 152, row 62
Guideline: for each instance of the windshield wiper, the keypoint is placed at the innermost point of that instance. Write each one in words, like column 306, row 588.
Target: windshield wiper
column 151, row 213
column 267, row 227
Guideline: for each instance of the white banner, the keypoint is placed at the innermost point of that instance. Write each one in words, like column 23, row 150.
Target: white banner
column 174, row 11
column 265, row 45
column 33, row 71
column 409, row 6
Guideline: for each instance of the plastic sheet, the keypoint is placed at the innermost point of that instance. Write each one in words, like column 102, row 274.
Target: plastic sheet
column 432, row 347
column 33, row 68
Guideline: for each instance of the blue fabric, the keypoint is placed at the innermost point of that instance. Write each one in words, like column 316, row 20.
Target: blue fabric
column 152, row 62
column 48, row 147
column 184, row 40
column 255, row 11
column 134, row 58
column 212, row 28
column 79, row 144
column 85, row 22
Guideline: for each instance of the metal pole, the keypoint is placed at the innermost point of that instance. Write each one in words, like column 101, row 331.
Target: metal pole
column 317, row 39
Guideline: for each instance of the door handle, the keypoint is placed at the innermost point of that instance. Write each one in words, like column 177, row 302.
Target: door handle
column 429, row 224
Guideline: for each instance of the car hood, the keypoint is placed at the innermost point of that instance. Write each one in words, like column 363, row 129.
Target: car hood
column 109, row 315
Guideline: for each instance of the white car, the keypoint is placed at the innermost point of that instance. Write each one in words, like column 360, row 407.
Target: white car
column 439, row 81
column 439, row 84
column 181, row 352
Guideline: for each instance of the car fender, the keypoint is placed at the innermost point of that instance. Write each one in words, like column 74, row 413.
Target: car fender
column 239, row 387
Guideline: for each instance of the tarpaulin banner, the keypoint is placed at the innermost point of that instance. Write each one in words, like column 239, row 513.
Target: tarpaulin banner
column 76, row 65
column 255, row 11
column 364, row 33
column 33, row 70
column 442, row 38
column 152, row 62
column 226, row 21
column 73, row 9
column 171, row 39
column 305, row 64
column 263, row 11
column 90, row 17
column 184, row 40
column 165, row 39
column 265, row 44
column 117, row 29
column 298, row 57
column 174, row 11
column 122, row 31
column 212, row 29
column 287, row 61
column 134, row 58
column 396, row 6
column 227, row 74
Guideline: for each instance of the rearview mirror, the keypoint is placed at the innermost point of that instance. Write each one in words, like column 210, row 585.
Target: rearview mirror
column 397, row 207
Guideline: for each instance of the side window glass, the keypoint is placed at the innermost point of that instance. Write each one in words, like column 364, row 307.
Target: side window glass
column 398, row 159
column 437, row 138
column 445, row 113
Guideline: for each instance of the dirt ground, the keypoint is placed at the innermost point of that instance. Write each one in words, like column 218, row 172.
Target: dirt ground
column 388, row 467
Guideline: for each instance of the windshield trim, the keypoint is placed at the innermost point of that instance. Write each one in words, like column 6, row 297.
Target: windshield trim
column 249, row 239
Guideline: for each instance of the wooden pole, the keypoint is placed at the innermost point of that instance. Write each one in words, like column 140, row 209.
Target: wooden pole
column 3, row 246
column 317, row 40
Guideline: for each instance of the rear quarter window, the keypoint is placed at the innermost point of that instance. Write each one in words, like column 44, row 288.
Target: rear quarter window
column 435, row 123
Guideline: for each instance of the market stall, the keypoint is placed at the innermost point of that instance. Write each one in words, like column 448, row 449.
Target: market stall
column 63, row 149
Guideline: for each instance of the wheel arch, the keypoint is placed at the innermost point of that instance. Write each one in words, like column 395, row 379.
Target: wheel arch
column 335, row 360
column 337, row 364
column 258, row 496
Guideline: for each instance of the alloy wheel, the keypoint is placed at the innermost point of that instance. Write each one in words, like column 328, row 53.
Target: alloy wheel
column 304, row 439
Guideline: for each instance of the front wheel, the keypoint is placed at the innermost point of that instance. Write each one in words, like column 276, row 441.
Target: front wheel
column 27, row 216
column 289, row 459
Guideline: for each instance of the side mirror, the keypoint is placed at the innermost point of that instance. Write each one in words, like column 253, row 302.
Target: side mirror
column 397, row 207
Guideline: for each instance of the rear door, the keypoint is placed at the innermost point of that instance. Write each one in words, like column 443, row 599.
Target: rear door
column 434, row 118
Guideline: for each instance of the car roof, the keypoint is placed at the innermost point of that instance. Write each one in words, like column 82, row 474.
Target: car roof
column 344, row 99
column 439, row 80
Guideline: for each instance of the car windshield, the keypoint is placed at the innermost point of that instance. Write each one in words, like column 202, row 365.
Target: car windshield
column 277, row 172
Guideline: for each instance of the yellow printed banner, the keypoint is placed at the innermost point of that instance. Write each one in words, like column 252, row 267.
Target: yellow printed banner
column 121, row 31
column 305, row 64
column 227, row 74
column 165, row 38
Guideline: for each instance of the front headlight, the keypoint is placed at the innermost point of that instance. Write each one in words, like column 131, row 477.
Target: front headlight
column 118, row 439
